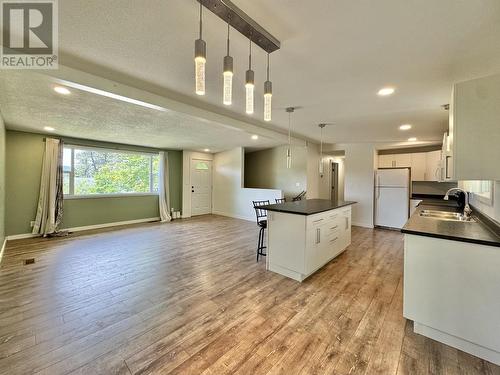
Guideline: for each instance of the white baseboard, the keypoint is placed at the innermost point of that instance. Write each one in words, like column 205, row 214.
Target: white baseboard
column 115, row 224
column 456, row 342
column 234, row 215
column 87, row 227
column 21, row 236
column 3, row 249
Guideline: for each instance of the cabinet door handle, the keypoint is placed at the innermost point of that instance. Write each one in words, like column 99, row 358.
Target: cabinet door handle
column 335, row 239
column 346, row 223
column 318, row 235
column 335, row 227
column 317, row 221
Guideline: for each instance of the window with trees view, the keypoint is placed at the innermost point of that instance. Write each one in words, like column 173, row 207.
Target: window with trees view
column 95, row 171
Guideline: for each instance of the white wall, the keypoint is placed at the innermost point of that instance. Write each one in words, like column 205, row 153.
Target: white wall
column 187, row 156
column 230, row 198
column 359, row 172
column 313, row 178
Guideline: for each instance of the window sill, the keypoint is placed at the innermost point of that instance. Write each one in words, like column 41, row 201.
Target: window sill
column 118, row 195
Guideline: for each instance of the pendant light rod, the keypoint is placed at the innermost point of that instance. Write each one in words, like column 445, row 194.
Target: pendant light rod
column 243, row 23
column 201, row 20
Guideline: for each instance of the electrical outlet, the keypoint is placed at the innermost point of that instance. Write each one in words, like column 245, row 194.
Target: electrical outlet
column 297, row 184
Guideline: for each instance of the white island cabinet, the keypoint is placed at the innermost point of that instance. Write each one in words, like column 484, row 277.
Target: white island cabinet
column 303, row 236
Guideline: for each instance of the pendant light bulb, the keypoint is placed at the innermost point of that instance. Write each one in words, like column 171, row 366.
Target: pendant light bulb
column 200, row 58
column 268, row 95
column 250, row 84
column 227, row 94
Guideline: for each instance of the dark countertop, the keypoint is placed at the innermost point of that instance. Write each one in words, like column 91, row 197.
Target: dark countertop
column 478, row 232
column 307, row 206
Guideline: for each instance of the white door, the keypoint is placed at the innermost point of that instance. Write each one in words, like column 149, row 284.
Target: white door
column 201, row 187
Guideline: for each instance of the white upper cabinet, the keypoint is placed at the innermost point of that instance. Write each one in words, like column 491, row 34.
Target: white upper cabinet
column 433, row 166
column 425, row 166
column 473, row 142
column 394, row 161
column 418, row 166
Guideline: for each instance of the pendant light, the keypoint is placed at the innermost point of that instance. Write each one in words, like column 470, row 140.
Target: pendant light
column 200, row 58
column 249, row 82
column 268, row 95
column 321, row 171
column 289, row 110
column 228, row 73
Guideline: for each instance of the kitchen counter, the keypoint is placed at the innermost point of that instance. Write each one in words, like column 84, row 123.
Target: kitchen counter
column 474, row 232
column 307, row 206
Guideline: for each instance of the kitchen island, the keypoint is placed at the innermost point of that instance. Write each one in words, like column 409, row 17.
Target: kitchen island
column 303, row 236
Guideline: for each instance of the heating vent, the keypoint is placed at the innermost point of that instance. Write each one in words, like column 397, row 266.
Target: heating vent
column 29, row 261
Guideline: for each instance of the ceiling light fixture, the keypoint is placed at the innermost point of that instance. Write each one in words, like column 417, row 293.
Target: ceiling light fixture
column 49, row 128
column 207, row 150
column 289, row 110
column 255, row 137
column 111, row 95
column 321, row 167
column 268, row 95
column 412, row 139
column 386, row 91
column 62, row 90
column 200, row 58
column 405, row 127
column 249, row 81
column 228, row 73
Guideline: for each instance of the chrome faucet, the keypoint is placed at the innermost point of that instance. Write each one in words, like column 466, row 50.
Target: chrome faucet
column 467, row 209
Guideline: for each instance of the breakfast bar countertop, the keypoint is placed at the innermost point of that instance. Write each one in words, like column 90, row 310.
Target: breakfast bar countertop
column 307, row 206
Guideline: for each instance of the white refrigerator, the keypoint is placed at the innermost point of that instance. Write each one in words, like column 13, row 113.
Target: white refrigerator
column 392, row 197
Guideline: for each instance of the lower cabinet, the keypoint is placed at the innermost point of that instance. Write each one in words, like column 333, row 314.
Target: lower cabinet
column 299, row 245
column 327, row 236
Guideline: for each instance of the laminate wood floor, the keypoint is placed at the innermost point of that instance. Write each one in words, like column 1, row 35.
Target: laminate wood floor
column 188, row 298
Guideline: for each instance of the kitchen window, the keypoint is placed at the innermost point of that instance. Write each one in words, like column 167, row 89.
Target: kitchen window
column 482, row 190
column 98, row 172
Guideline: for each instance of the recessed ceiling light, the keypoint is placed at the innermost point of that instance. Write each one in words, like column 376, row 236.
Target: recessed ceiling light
column 207, row 150
column 62, row 90
column 405, row 127
column 412, row 139
column 255, row 137
column 386, row 91
column 48, row 128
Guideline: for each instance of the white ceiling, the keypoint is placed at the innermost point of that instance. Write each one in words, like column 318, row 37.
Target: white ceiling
column 28, row 103
column 335, row 56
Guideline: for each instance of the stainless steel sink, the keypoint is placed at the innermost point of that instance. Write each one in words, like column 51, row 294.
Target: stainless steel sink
column 447, row 216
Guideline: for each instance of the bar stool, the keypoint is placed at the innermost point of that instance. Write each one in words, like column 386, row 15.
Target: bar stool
column 280, row 200
column 262, row 223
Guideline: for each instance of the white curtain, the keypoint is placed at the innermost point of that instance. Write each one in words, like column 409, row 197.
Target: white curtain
column 163, row 188
column 50, row 200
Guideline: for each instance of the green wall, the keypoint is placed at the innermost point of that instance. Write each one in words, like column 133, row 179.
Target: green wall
column 24, row 154
column 2, row 181
column 266, row 169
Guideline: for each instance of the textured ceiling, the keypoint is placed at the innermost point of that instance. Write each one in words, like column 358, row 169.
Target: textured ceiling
column 28, row 103
column 335, row 56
